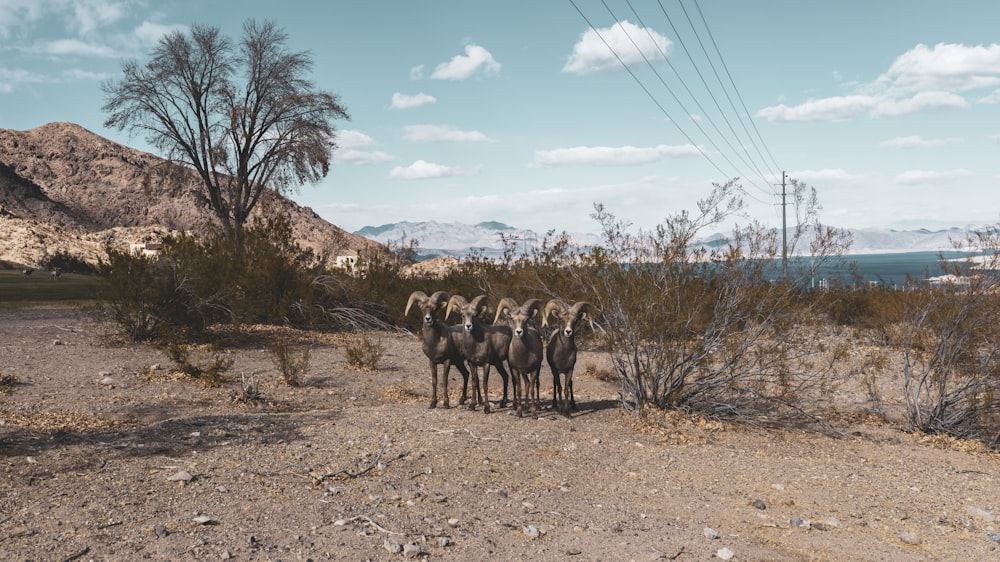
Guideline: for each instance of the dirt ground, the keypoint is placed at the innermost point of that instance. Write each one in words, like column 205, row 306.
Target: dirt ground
column 107, row 455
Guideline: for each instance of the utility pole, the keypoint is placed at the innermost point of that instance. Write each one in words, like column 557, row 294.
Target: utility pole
column 784, row 230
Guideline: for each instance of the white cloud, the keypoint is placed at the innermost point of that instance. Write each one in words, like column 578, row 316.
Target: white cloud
column 17, row 13
column 362, row 157
column 914, row 177
column 945, row 67
column 76, row 47
column 611, row 156
column 995, row 137
column 921, row 79
column 825, row 175
column 417, row 72
column 837, row 108
column 88, row 15
column 353, row 139
column 149, row 32
column 462, row 67
column 350, row 141
column 403, row 101
column 81, row 74
column 920, row 102
column 437, row 133
column 916, row 141
column 12, row 78
column 421, row 170
column 596, row 49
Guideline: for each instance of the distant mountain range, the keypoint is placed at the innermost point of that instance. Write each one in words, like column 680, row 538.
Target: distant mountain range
column 459, row 240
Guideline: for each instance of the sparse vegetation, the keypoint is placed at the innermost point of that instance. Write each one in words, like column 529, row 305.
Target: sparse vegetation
column 7, row 382
column 290, row 367
column 365, row 353
column 210, row 372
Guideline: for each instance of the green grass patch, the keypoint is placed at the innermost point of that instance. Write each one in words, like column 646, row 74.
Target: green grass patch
column 39, row 288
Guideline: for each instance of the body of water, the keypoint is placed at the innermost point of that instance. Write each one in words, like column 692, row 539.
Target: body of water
column 888, row 269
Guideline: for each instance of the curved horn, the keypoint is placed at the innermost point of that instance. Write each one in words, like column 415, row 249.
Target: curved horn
column 455, row 301
column 507, row 304
column 480, row 303
column 582, row 308
column 552, row 305
column 415, row 296
column 439, row 298
column 532, row 306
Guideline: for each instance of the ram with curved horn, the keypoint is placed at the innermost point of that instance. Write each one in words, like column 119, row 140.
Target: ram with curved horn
column 525, row 353
column 561, row 351
column 482, row 346
column 440, row 344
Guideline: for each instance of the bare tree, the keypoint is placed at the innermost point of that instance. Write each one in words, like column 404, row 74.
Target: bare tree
column 245, row 116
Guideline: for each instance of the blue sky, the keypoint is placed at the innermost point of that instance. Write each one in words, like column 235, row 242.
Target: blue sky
column 519, row 111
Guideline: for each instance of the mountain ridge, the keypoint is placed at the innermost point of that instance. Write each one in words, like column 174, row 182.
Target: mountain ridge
column 455, row 239
column 64, row 188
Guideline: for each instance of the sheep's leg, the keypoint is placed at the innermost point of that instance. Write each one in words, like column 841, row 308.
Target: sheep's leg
column 556, row 389
column 486, row 388
column 475, row 387
column 567, row 397
column 516, row 402
column 533, row 388
column 505, row 376
column 569, row 390
column 460, row 365
column 434, row 385
column 444, row 388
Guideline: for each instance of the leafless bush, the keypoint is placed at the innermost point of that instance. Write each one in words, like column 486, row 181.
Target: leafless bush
column 948, row 340
column 712, row 330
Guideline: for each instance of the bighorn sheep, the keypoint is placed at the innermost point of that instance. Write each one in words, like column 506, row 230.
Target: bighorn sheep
column 27, row 271
column 440, row 344
column 56, row 273
column 482, row 346
column 561, row 351
column 526, row 351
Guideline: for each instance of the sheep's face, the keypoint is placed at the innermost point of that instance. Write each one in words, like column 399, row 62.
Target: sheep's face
column 519, row 323
column 428, row 309
column 567, row 323
column 468, row 314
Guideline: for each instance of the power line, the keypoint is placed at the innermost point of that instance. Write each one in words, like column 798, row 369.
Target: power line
column 693, row 97
column 735, row 89
column 646, row 90
column 701, row 76
column 739, row 152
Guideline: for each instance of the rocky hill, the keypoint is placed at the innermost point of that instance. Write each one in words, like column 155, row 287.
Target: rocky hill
column 66, row 189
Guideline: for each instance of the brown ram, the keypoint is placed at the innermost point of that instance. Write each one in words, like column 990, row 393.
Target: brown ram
column 481, row 346
column 525, row 353
column 440, row 343
column 561, row 351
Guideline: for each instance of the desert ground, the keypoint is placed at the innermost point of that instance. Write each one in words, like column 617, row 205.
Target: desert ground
column 107, row 454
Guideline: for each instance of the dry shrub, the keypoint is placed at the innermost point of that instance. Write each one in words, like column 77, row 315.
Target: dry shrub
column 7, row 382
column 365, row 353
column 606, row 375
column 212, row 374
column 250, row 390
column 292, row 368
